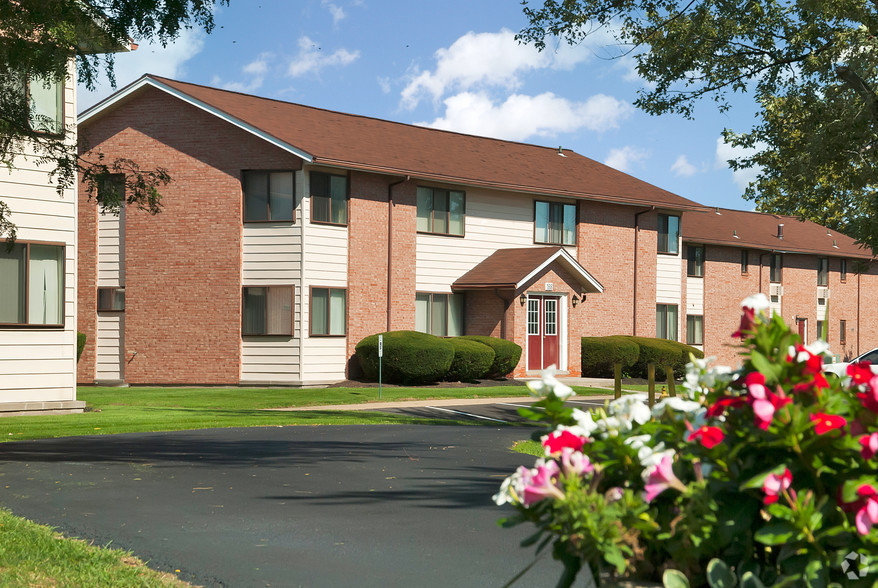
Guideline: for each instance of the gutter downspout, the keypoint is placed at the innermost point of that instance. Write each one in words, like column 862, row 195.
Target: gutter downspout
column 859, row 276
column 390, row 240
column 636, row 244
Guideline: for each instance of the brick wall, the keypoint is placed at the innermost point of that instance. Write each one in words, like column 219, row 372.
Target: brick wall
column 404, row 213
column 86, row 292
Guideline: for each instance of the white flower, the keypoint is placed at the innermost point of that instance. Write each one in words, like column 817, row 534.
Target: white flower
column 612, row 426
column 512, row 488
column 651, row 457
column 549, row 384
column 700, row 379
column 631, row 407
column 637, row 441
column 584, row 421
column 675, row 404
column 758, row 302
column 818, row 347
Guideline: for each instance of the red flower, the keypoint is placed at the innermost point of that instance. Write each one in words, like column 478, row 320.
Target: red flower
column 764, row 408
column 710, row 437
column 755, row 383
column 825, row 423
column 870, row 445
column 869, row 398
column 718, row 407
column 860, row 372
column 774, row 486
column 558, row 440
column 747, row 323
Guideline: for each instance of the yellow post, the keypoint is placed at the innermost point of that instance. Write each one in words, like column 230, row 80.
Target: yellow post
column 650, row 370
column 617, row 372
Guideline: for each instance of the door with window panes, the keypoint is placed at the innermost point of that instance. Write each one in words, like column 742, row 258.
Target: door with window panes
column 543, row 337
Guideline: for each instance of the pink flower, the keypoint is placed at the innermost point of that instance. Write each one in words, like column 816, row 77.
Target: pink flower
column 710, row 437
column 662, row 477
column 764, row 408
column 868, row 514
column 542, row 482
column 556, row 441
column 755, row 383
column 870, row 445
column 824, row 423
column 575, row 462
column 774, row 486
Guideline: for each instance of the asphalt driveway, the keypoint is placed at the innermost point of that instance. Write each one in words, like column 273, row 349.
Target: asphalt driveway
column 286, row 506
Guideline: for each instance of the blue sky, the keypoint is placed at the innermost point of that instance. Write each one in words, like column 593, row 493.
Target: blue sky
column 452, row 65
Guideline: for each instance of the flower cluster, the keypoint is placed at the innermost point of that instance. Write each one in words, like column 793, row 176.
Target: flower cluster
column 771, row 469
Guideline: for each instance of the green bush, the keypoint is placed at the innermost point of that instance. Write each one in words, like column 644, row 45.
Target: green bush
column 410, row 357
column 506, row 354
column 472, row 360
column 663, row 353
column 600, row 354
column 80, row 345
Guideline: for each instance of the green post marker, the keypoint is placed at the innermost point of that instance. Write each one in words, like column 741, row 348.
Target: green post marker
column 380, row 355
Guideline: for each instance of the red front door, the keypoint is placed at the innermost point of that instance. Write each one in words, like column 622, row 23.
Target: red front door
column 802, row 323
column 543, row 339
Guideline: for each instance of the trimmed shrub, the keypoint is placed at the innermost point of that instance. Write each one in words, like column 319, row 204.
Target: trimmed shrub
column 664, row 353
column 80, row 345
column 410, row 357
column 600, row 354
column 506, row 354
column 472, row 360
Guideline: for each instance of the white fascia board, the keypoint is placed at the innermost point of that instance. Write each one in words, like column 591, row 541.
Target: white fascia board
column 572, row 264
column 145, row 81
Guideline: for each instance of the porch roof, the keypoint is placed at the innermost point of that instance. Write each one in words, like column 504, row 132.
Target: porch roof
column 511, row 269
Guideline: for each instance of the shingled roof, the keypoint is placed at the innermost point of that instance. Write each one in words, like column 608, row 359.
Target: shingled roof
column 738, row 228
column 511, row 269
column 358, row 142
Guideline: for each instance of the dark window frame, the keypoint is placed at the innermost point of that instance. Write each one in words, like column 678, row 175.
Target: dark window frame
column 689, row 337
column 562, row 205
column 842, row 332
column 314, row 197
column 775, row 270
column 111, row 291
column 62, row 287
column 843, row 270
column 745, row 262
column 329, row 290
column 268, row 172
column 447, row 194
column 663, row 235
column 667, row 323
column 447, row 311
column 822, row 272
column 292, row 325
column 692, row 262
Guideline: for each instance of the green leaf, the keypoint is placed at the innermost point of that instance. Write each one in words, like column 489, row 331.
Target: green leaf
column 770, row 370
column 719, row 575
column 750, row 580
column 776, row 533
column 759, row 479
column 816, row 574
column 527, row 542
column 674, row 579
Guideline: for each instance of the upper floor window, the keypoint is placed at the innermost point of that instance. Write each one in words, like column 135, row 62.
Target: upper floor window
column 745, row 261
column 45, row 97
column 776, row 268
column 668, row 233
column 267, row 310
column 329, row 198
column 111, row 299
column 268, row 196
column 695, row 261
column 439, row 314
column 843, row 270
column 32, row 284
column 822, row 271
column 555, row 222
column 441, row 211
column 328, row 311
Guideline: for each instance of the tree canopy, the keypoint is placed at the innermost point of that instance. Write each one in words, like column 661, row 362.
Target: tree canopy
column 811, row 66
column 37, row 41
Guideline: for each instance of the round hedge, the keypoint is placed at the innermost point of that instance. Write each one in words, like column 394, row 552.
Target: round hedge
column 600, row 354
column 472, row 360
column 663, row 353
column 410, row 357
column 506, row 354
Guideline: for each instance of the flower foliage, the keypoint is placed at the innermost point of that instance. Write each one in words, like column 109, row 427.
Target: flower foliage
column 771, row 469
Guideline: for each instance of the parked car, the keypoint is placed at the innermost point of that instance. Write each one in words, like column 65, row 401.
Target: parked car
column 841, row 368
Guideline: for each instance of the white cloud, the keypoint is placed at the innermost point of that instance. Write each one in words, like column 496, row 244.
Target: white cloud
column 311, row 58
column 520, row 117
column 384, row 84
column 725, row 152
column 623, row 159
column 148, row 58
column 255, row 70
column 682, row 167
column 335, row 10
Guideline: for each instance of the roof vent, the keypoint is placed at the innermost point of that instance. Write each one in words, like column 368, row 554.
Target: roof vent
column 717, row 211
column 561, row 151
column 735, row 234
column 780, row 231
column 834, row 244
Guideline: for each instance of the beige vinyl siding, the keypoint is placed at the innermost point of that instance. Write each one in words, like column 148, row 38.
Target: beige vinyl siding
column 39, row 365
column 668, row 285
column 111, row 247
column 108, row 348
column 695, row 296
column 494, row 220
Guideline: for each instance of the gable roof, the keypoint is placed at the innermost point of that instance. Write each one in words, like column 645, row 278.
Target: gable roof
column 757, row 230
column 357, row 142
column 513, row 268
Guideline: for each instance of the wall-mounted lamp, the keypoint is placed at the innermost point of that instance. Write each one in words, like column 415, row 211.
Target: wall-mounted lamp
column 522, row 299
column 574, row 301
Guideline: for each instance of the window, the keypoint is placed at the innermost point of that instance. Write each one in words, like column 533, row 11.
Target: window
column 111, row 190
column 555, row 222
column 842, row 332
column 267, row 310
column 745, row 261
column 668, row 233
column 111, row 299
column 439, row 314
column 820, row 334
column 268, row 196
column 843, row 270
column 694, row 329
column 776, row 268
column 666, row 321
column 329, row 198
column 822, row 271
column 441, row 211
column 32, row 284
column 46, row 105
column 695, row 261
column 328, row 311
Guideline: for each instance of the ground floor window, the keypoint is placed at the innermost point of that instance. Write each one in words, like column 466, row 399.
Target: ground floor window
column 694, row 329
column 329, row 311
column 439, row 314
column 666, row 321
column 32, row 284
column 267, row 310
